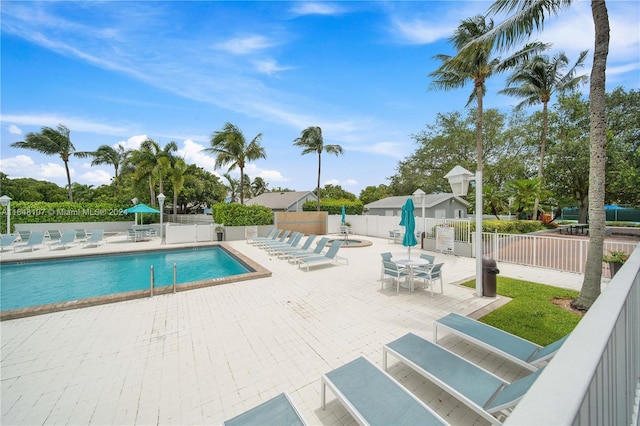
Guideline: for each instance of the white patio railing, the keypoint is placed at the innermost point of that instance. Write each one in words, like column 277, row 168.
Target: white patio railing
column 562, row 254
column 595, row 377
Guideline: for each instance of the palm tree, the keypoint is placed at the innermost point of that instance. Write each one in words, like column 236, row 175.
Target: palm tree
column 106, row 154
column 51, row 142
column 230, row 147
column 232, row 186
column 177, row 176
column 473, row 62
column 152, row 163
column 258, row 186
column 536, row 81
column 523, row 18
column 311, row 141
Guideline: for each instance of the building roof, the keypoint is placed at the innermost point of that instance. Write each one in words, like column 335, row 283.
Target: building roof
column 430, row 200
column 280, row 200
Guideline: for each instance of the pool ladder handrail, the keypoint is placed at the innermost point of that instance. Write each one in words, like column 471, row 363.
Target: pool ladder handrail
column 152, row 279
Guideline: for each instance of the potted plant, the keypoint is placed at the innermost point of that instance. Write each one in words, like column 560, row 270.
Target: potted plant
column 615, row 259
column 220, row 232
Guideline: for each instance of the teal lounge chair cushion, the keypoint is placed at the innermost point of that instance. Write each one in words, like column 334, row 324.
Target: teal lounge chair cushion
column 378, row 398
column 276, row 411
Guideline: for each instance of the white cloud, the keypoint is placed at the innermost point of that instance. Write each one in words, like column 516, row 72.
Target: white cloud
column 193, row 154
column 96, row 177
column 17, row 166
column 23, row 166
column 245, row 45
column 312, row 8
column 14, row 130
column 268, row 175
column 350, row 182
column 391, row 149
column 622, row 69
column 269, row 66
column 133, row 142
column 418, row 31
column 73, row 123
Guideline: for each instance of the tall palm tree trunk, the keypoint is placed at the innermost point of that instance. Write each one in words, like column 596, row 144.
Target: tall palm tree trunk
column 543, row 149
column 318, row 186
column 66, row 168
column 152, row 192
column 598, row 157
column 241, row 184
column 115, row 181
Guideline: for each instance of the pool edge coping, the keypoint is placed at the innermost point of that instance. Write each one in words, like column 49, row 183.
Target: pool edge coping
column 258, row 272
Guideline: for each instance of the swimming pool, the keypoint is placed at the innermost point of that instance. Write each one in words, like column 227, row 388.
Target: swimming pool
column 50, row 282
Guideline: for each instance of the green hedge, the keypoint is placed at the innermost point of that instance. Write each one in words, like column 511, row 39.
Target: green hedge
column 234, row 214
column 63, row 212
column 332, row 206
column 510, row 226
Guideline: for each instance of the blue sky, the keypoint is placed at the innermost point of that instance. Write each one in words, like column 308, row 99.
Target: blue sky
column 120, row 72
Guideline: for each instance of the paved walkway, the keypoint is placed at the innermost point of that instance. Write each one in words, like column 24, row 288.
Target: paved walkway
column 203, row 356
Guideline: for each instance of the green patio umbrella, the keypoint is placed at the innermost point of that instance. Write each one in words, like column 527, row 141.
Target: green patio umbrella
column 344, row 216
column 140, row 208
column 409, row 222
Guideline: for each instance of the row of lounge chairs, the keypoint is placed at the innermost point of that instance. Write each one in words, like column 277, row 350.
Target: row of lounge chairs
column 32, row 240
column 372, row 396
column 284, row 245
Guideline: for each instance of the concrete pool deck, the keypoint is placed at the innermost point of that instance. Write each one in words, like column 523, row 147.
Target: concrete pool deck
column 206, row 355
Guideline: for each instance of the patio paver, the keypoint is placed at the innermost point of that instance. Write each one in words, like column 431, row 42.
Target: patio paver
column 206, row 355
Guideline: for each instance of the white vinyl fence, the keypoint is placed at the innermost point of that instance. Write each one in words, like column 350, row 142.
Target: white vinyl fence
column 562, row 254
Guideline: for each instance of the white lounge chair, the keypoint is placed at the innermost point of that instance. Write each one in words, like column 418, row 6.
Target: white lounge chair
column 286, row 252
column 291, row 243
column 295, row 256
column 54, row 235
column 24, row 235
column 36, row 238
column 7, row 241
column 329, row 256
column 279, row 410
column 81, row 234
column 486, row 394
column 66, row 240
column 280, row 239
column 516, row 349
column 95, row 239
column 271, row 235
column 373, row 397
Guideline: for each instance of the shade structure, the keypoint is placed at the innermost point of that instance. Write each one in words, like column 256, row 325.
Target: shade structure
column 344, row 215
column 141, row 208
column 409, row 222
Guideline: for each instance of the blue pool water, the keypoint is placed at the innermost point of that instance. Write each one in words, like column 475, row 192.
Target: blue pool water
column 53, row 281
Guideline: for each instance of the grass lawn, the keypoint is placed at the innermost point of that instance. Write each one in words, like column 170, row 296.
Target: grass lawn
column 531, row 314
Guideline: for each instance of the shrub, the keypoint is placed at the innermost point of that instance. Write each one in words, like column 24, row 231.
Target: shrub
column 66, row 212
column 234, row 214
column 510, row 226
column 332, row 206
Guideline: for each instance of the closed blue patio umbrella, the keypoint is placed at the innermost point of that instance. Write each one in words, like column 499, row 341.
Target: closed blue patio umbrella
column 344, row 216
column 409, row 222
